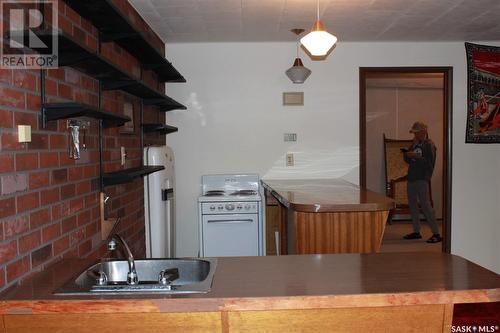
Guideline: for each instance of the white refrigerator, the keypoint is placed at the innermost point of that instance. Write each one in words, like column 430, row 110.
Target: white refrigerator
column 159, row 203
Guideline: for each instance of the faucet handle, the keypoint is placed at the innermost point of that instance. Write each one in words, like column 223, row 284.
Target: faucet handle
column 101, row 279
column 112, row 245
column 132, row 278
column 167, row 276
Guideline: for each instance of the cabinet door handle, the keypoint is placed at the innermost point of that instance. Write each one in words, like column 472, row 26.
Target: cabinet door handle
column 231, row 221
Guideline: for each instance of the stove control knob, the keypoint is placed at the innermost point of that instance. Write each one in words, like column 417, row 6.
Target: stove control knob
column 212, row 208
column 247, row 207
column 220, row 207
column 229, row 206
column 239, row 207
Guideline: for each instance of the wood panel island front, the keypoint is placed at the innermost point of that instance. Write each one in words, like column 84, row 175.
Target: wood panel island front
column 383, row 292
column 311, row 216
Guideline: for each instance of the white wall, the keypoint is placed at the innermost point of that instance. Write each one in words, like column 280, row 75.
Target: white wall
column 235, row 123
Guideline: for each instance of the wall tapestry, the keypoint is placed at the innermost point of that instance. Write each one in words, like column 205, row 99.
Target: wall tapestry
column 483, row 94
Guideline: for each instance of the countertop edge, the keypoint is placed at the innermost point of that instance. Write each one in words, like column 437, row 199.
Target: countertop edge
column 173, row 305
column 327, row 208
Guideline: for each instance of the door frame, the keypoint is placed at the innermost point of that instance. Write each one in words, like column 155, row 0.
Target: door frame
column 447, row 133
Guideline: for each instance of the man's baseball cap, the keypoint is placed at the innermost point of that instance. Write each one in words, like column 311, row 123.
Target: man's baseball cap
column 418, row 126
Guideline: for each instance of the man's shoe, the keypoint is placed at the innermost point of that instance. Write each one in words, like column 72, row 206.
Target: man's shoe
column 413, row 235
column 436, row 238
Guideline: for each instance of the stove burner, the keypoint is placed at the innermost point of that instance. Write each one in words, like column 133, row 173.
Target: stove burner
column 244, row 192
column 215, row 193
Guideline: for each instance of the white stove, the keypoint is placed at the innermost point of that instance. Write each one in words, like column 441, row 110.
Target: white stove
column 230, row 216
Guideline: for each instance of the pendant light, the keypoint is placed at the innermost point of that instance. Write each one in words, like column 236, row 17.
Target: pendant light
column 298, row 73
column 318, row 42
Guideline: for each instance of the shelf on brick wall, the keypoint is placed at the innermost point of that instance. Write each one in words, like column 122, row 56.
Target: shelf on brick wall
column 114, row 26
column 150, row 96
column 127, row 175
column 159, row 128
column 75, row 55
column 55, row 111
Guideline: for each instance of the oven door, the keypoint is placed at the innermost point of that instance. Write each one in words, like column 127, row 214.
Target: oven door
column 230, row 235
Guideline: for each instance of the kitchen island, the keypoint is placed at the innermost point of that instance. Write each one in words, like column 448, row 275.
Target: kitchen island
column 384, row 292
column 323, row 216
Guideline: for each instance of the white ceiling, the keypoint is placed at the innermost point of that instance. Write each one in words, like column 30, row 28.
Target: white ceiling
column 349, row 20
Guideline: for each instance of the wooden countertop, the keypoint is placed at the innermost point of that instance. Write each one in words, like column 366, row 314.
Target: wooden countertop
column 285, row 282
column 326, row 195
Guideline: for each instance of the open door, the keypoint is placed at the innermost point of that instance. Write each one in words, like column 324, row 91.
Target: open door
column 391, row 99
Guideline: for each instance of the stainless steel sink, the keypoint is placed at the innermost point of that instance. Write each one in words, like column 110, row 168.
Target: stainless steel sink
column 189, row 276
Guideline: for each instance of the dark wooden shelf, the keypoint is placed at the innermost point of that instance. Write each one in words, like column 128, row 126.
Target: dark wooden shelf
column 75, row 55
column 127, row 175
column 55, row 111
column 165, row 71
column 80, row 57
column 150, row 96
column 159, row 128
column 113, row 26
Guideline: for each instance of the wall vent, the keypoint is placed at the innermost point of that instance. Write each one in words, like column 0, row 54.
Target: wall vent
column 290, row 137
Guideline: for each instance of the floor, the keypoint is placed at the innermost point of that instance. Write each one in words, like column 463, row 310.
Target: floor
column 393, row 238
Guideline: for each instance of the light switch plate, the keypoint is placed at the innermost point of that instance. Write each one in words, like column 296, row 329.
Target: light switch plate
column 123, row 155
column 24, row 133
column 289, row 159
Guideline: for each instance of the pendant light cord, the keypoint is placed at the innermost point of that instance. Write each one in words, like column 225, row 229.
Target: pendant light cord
column 317, row 7
column 297, row 45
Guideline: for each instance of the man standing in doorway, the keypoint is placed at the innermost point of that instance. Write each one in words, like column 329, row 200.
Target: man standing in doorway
column 421, row 157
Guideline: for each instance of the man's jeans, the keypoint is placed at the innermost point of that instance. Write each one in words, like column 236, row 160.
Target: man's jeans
column 418, row 191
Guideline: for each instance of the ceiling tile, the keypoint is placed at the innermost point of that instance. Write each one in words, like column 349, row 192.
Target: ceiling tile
column 350, row 20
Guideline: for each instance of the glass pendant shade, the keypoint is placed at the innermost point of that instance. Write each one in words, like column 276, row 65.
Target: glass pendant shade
column 298, row 73
column 318, row 42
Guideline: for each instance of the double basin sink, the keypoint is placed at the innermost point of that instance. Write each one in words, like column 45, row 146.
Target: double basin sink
column 164, row 276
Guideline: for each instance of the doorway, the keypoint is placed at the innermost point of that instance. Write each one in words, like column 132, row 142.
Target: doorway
column 391, row 99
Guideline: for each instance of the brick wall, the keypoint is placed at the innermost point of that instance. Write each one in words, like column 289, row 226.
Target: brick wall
column 49, row 206
column 138, row 22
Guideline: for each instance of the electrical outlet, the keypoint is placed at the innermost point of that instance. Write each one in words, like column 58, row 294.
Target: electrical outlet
column 289, row 159
column 123, row 155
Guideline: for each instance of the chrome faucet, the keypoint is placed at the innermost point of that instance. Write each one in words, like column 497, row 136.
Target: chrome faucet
column 132, row 273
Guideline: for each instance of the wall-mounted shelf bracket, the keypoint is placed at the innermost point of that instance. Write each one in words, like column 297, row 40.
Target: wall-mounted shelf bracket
column 55, row 111
column 128, row 175
column 159, row 128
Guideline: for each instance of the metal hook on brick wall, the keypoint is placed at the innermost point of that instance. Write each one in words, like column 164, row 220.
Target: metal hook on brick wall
column 75, row 127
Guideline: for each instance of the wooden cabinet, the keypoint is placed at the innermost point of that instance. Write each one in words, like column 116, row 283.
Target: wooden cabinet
column 324, row 216
column 335, row 232
column 112, row 323
column 343, row 232
column 415, row 318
